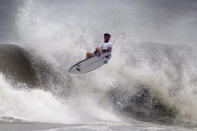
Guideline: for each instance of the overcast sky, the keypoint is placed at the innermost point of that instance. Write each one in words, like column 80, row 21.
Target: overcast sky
column 148, row 20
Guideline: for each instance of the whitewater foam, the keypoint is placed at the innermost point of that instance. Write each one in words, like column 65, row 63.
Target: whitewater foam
column 42, row 106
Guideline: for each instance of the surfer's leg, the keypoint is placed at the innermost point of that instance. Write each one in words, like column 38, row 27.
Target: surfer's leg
column 88, row 55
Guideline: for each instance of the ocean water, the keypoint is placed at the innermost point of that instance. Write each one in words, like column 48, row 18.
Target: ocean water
column 149, row 84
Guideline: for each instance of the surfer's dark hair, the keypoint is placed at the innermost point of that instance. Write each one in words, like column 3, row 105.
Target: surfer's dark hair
column 107, row 34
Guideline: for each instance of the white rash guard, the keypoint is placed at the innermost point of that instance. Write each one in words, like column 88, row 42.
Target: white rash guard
column 104, row 46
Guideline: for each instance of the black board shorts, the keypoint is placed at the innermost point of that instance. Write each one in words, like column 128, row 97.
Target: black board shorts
column 96, row 53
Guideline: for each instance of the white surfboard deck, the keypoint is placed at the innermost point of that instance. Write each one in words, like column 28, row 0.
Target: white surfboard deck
column 90, row 64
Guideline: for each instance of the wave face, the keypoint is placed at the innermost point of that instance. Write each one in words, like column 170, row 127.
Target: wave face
column 151, row 76
column 15, row 65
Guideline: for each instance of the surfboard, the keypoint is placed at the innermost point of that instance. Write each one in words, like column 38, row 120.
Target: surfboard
column 90, row 64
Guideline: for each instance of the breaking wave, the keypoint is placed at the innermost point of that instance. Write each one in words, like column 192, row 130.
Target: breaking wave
column 144, row 81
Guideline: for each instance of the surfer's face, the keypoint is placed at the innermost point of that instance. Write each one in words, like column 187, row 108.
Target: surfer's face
column 106, row 38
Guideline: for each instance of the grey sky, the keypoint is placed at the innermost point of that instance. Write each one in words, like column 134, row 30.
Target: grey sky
column 149, row 20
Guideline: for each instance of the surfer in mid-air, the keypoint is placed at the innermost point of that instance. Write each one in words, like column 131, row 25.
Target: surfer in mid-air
column 98, row 58
column 101, row 48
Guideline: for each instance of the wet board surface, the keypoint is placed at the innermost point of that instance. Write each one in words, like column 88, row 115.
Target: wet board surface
column 90, row 64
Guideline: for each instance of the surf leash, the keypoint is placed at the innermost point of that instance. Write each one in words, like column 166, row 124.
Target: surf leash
column 118, row 40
